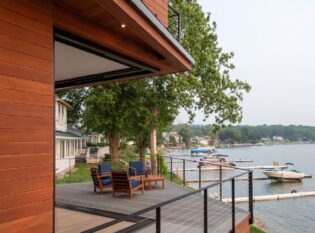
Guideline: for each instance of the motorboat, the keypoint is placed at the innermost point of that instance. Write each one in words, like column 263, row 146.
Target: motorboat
column 284, row 174
column 216, row 159
column 202, row 151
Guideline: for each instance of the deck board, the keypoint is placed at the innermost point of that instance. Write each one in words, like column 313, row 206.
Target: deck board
column 185, row 215
column 68, row 221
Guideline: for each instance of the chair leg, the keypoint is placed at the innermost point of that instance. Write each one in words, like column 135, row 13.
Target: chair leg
column 130, row 195
column 113, row 193
column 142, row 189
column 94, row 189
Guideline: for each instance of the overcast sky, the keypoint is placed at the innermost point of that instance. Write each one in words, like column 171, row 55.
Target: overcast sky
column 274, row 46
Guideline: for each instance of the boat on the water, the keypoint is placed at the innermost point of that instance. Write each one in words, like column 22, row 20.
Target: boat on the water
column 216, row 159
column 240, row 160
column 284, row 174
column 202, row 151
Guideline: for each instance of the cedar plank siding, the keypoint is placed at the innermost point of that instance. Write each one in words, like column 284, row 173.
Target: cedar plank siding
column 26, row 116
column 160, row 9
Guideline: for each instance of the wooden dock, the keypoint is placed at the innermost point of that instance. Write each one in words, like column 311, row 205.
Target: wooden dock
column 272, row 197
column 217, row 179
column 243, row 161
column 239, row 178
column 214, row 167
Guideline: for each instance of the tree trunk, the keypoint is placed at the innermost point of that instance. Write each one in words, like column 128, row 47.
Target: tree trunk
column 142, row 157
column 153, row 141
column 113, row 146
column 153, row 150
column 141, row 148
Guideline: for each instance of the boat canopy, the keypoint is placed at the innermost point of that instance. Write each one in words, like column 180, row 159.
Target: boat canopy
column 200, row 150
column 289, row 164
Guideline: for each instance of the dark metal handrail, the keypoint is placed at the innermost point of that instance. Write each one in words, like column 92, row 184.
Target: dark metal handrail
column 177, row 16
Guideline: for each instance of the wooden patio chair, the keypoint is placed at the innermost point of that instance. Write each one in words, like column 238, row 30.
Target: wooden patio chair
column 122, row 182
column 100, row 181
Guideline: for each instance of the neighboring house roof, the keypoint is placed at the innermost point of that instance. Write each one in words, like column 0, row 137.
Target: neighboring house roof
column 60, row 134
column 80, row 132
column 76, row 131
column 63, row 102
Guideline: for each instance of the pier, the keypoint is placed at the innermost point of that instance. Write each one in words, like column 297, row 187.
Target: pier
column 217, row 167
column 240, row 178
column 272, row 197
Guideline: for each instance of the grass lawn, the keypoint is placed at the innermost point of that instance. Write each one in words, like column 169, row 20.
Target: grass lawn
column 80, row 174
column 255, row 230
column 176, row 180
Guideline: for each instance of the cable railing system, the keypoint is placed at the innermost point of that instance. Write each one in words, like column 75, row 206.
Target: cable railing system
column 206, row 188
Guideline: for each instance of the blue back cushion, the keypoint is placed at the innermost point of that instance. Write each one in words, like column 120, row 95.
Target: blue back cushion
column 105, row 167
column 135, row 183
column 138, row 166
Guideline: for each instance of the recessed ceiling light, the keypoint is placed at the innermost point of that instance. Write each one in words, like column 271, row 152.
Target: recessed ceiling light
column 123, row 25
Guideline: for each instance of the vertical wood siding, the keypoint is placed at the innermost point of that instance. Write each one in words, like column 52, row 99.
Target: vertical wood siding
column 26, row 116
column 159, row 8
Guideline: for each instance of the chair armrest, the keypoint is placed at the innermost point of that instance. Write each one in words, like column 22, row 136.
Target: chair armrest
column 135, row 177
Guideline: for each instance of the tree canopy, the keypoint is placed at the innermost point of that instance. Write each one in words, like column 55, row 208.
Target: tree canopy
column 141, row 108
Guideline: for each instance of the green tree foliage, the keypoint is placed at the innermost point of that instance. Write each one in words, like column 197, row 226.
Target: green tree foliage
column 108, row 110
column 251, row 134
column 75, row 98
column 122, row 108
column 208, row 87
column 173, row 140
column 242, row 134
column 186, row 134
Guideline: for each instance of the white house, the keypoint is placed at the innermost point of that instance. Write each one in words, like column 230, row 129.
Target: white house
column 90, row 153
column 66, row 142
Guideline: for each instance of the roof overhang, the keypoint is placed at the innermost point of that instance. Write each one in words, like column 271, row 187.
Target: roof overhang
column 80, row 62
column 145, row 11
column 91, row 48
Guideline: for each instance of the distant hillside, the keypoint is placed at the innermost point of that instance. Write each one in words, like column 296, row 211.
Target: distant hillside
column 266, row 132
column 253, row 134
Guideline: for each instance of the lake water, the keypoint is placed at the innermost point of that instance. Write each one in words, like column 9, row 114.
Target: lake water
column 289, row 216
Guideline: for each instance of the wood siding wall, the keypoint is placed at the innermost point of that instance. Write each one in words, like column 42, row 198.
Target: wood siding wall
column 159, row 8
column 26, row 116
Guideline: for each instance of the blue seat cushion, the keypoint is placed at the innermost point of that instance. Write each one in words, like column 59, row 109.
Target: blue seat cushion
column 135, row 183
column 106, row 181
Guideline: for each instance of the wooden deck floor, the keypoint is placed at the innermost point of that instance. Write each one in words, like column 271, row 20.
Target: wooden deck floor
column 68, row 221
column 185, row 215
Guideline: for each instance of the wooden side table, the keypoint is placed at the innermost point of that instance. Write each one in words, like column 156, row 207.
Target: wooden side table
column 153, row 178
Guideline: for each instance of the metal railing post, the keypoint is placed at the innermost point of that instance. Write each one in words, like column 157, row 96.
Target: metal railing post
column 233, row 205
column 221, row 183
column 161, row 166
column 184, row 172
column 171, row 169
column 205, row 211
column 250, row 197
column 158, row 220
column 199, row 175
column 69, row 170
